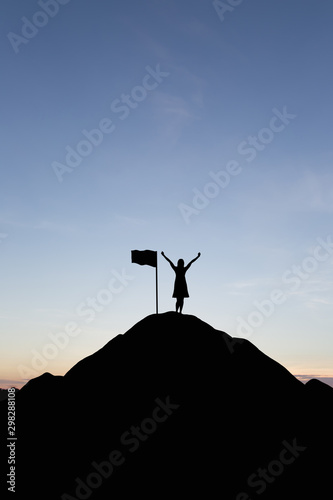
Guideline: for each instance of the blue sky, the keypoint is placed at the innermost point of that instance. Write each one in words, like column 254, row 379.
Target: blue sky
column 180, row 93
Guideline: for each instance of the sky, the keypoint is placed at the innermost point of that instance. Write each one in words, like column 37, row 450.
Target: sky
column 178, row 126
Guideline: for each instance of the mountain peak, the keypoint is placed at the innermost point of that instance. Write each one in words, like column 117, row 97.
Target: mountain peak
column 174, row 405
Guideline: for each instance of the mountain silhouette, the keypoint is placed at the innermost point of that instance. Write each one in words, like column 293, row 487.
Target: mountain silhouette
column 170, row 409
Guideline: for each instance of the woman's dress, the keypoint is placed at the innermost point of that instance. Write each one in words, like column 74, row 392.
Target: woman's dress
column 180, row 288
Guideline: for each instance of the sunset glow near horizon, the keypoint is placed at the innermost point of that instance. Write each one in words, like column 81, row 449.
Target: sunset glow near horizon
column 181, row 127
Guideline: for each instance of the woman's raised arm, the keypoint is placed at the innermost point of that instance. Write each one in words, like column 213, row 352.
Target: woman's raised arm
column 170, row 262
column 191, row 262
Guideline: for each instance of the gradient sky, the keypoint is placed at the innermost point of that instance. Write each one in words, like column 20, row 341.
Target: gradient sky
column 221, row 82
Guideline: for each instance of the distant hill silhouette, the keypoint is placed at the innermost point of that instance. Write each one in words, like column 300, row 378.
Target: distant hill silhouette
column 171, row 409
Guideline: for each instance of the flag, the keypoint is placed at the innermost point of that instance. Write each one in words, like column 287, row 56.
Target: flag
column 144, row 257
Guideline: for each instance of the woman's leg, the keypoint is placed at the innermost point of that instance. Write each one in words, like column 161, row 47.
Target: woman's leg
column 179, row 304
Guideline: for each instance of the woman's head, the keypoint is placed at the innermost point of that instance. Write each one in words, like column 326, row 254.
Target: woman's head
column 180, row 263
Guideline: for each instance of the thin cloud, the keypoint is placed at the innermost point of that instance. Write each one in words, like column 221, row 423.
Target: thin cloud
column 130, row 221
column 322, row 378
column 6, row 383
column 313, row 192
column 245, row 284
column 171, row 105
column 241, row 287
column 47, row 225
column 173, row 114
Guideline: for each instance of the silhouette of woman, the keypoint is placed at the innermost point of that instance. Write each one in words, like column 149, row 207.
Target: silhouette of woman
column 180, row 289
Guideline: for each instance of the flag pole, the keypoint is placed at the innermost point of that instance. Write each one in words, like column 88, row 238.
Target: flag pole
column 156, row 288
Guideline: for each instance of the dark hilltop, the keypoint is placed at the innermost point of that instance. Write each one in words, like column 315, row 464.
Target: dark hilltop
column 170, row 409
